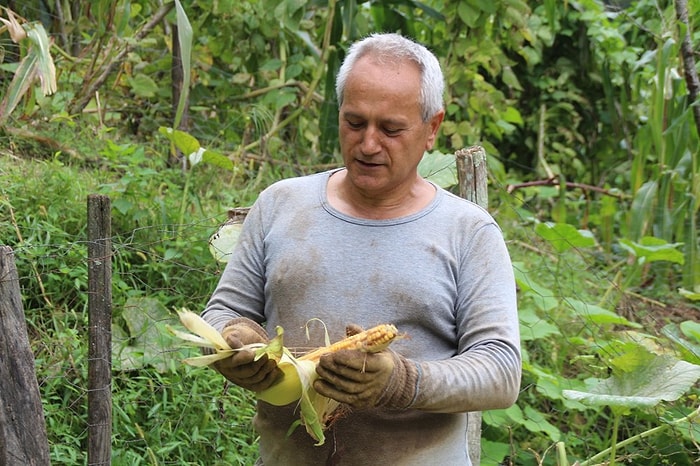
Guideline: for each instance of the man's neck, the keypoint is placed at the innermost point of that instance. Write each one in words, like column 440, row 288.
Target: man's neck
column 346, row 198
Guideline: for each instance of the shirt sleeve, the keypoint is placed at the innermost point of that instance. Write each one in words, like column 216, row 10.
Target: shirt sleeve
column 486, row 371
column 240, row 291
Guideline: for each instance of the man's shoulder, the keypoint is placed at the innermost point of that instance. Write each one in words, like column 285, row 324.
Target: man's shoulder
column 293, row 190
column 297, row 182
column 458, row 206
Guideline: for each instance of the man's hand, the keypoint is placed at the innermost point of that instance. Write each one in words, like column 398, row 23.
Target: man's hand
column 367, row 380
column 241, row 368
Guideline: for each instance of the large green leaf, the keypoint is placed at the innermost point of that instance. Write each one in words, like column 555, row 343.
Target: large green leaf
column 439, row 168
column 651, row 249
column 563, row 236
column 185, row 142
column 534, row 327
column 663, row 379
column 189, row 145
column 143, row 340
column 217, row 159
column 598, row 315
column 630, row 356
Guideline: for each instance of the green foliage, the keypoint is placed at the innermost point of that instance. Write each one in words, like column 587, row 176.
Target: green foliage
column 37, row 62
column 439, row 168
column 644, row 380
column 570, row 344
column 154, row 267
column 563, row 236
column 593, row 164
column 189, row 145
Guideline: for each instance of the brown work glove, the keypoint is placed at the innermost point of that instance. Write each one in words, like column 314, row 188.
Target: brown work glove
column 241, row 368
column 367, row 380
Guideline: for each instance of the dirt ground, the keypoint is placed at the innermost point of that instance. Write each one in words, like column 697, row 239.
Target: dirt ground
column 655, row 315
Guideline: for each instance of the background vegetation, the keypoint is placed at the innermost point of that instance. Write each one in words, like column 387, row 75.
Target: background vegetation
column 584, row 107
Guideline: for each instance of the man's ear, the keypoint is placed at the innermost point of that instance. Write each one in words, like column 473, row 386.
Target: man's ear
column 434, row 124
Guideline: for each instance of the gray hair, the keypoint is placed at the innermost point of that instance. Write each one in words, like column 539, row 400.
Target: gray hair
column 392, row 48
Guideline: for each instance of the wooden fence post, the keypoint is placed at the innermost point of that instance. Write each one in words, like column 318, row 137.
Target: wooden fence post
column 99, row 225
column 472, row 175
column 472, row 179
column 23, row 438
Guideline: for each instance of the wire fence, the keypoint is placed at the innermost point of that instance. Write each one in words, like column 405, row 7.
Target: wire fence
column 163, row 411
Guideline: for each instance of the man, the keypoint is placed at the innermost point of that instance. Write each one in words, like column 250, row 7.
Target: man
column 375, row 243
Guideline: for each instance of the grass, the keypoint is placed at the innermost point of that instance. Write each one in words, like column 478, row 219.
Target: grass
column 175, row 415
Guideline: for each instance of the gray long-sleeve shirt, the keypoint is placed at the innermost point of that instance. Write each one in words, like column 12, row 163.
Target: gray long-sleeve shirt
column 442, row 276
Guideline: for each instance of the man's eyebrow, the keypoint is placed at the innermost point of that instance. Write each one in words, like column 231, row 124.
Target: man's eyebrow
column 384, row 121
column 350, row 114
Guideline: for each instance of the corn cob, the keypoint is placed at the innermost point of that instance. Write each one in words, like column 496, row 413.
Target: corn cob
column 288, row 389
column 296, row 384
column 370, row 341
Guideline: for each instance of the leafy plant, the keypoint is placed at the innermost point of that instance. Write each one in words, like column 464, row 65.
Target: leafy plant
column 36, row 62
column 640, row 380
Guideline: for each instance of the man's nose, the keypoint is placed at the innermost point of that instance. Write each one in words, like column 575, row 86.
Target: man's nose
column 370, row 140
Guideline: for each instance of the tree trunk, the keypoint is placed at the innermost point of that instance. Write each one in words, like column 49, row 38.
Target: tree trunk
column 23, row 437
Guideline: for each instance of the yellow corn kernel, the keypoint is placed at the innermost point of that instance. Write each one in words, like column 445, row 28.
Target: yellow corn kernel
column 370, row 341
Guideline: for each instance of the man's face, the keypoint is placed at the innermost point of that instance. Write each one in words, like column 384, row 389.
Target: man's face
column 382, row 135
